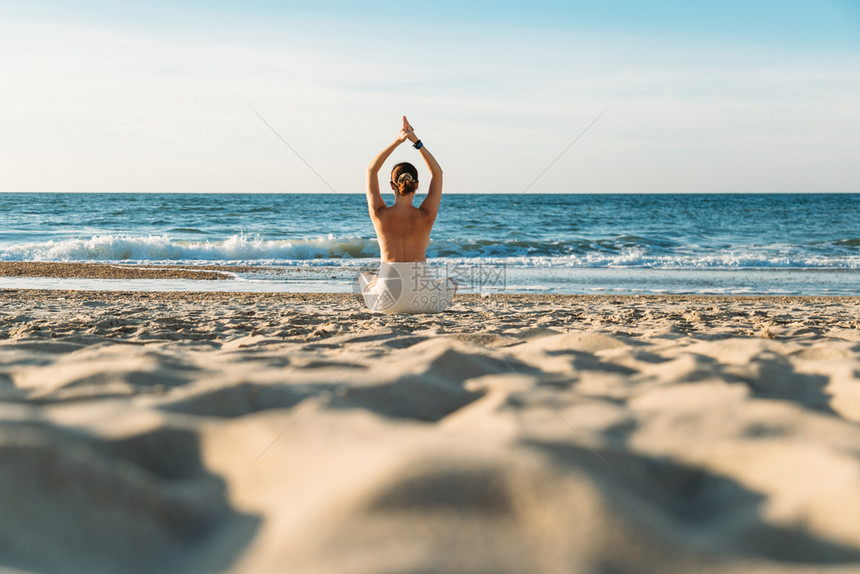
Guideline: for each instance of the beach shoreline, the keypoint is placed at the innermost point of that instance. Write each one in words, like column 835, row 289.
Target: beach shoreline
column 253, row 432
column 473, row 277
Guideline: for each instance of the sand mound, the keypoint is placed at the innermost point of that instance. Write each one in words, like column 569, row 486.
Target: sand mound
column 301, row 434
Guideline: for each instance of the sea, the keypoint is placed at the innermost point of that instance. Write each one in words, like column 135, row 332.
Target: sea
column 754, row 244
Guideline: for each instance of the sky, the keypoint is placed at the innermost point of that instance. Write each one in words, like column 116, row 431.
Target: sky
column 714, row 97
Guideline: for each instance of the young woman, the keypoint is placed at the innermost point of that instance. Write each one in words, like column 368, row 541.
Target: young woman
column 404, row 284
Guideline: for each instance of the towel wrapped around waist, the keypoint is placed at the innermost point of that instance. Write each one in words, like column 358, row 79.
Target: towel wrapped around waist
column 406, row 287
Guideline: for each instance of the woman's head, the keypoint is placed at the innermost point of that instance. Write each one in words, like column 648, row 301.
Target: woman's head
column 404, row 178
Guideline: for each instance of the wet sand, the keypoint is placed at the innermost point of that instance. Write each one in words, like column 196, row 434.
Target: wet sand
column 118, row 270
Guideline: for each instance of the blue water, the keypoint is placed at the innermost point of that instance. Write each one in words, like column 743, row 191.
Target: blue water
column 768, row 243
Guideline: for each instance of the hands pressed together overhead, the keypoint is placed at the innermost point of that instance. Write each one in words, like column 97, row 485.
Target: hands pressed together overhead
column 407, row 132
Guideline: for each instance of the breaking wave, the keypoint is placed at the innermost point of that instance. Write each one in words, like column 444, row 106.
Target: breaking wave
column 619, row 251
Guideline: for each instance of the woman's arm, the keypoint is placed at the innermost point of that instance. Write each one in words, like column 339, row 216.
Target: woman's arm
column 374, row 198
column 430, row 205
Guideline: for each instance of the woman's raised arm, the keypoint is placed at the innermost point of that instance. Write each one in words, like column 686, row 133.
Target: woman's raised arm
column 374, row 198
column 430, row 205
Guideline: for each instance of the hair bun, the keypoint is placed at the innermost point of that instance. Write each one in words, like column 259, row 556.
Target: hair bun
column 404, row 178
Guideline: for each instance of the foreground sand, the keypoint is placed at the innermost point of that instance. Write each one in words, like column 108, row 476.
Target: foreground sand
column 299, row 433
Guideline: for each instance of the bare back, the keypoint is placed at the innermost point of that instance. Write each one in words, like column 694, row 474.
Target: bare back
column 403, row 232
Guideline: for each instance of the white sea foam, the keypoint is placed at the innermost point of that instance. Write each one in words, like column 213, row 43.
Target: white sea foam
column 236, row 248
column 359, row 251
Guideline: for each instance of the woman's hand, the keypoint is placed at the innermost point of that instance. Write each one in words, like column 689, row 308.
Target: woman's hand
column 406, row 132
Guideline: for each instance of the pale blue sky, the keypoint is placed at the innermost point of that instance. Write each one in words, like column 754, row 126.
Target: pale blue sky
column 703, row 97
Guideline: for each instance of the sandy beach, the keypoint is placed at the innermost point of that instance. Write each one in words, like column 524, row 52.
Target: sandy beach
column 225, row 432
column 119, row 270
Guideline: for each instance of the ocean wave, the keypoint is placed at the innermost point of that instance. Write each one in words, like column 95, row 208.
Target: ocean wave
column 163, row 248
column 630, row 260
column 624, row 251
column 189, row 230
column 853, row 242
